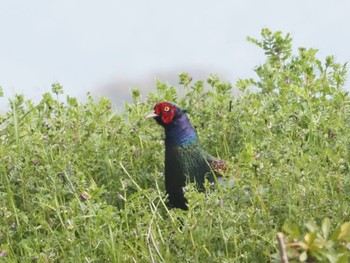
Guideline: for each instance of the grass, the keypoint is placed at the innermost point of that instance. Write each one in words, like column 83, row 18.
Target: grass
column 84, row 183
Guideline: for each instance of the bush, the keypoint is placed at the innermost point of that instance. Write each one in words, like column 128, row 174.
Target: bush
column 82, row 182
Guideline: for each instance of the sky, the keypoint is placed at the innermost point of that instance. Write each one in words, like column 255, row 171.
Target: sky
column 110, row 47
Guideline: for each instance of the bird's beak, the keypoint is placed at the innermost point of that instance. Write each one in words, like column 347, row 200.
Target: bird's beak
column 151, row 115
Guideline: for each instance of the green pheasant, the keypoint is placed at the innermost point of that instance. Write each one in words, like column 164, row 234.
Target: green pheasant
column 185, row 159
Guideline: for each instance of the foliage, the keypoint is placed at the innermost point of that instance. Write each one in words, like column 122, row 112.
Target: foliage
column 319, row 244
column 82, row 182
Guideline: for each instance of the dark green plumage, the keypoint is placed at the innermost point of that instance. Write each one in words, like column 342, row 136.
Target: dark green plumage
column 185, row 159
column 182, row 163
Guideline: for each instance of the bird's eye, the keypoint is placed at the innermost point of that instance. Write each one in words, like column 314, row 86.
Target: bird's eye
column 166, row 108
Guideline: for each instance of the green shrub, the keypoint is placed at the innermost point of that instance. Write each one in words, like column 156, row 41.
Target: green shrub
column 81, row 182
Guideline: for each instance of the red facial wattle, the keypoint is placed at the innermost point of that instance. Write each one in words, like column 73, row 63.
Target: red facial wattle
column 166, row 111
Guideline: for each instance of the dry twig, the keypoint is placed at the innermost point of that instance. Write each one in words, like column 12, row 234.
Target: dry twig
column 282, row 246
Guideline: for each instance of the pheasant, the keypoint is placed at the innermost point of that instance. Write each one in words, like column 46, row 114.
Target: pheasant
column 185, row 159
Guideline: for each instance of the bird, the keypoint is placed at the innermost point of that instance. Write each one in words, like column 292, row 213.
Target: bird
column 185, row 159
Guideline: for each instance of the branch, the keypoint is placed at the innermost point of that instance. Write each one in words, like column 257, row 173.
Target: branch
column 282, row 247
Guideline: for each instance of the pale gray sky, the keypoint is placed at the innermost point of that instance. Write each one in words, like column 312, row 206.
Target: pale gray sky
column 108, row 47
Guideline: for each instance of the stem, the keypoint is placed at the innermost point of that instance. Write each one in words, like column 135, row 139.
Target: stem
column 282, row 247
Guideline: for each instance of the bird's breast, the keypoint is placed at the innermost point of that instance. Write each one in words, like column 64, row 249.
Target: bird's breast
column 186, row 161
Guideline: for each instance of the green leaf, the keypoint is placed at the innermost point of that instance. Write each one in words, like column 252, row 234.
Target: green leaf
column 343, row 258
column 303, row 256
column 334, row 257
column 344, row 232
column 311, row 226
column 310, row 238
column 292, row 230
column 326, row 226
column 185, row 79
column 57, row 88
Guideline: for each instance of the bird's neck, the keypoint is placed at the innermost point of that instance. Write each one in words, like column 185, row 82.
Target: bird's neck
column 180, row 133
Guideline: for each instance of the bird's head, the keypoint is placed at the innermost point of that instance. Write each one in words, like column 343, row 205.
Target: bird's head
column 178, row 129
column 165, row 113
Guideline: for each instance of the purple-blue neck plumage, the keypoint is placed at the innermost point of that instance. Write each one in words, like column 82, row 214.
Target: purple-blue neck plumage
column 180, row 132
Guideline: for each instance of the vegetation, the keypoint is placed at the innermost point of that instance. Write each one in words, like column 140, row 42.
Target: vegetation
column 84, row 183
